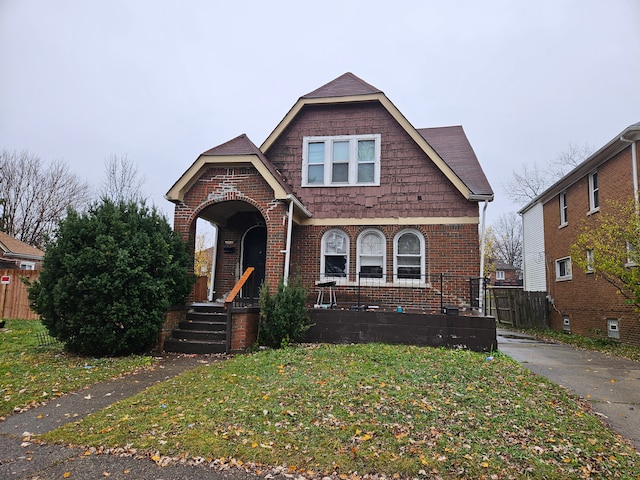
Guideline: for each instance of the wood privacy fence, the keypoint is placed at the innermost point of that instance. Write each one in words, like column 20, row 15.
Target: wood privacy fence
column 520, row 309
column 14, row 300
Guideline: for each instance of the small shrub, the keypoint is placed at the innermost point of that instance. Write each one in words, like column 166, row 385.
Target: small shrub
column 283, row 316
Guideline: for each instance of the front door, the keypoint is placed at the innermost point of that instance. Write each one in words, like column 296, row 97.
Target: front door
column 254, row 254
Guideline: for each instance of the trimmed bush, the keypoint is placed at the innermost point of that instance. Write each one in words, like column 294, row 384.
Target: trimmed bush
column 109, row 277
column 283, row 316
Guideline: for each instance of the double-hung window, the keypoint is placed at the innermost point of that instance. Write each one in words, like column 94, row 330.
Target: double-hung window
column 594, row 200
column 371, row 255
column 564, row 219
column 409, row 255
column 335, row 254
column 563, row 269
column 341, row 161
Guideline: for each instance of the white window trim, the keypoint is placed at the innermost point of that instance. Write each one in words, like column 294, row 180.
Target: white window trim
column 632, row 257
column 563, row 210
column 569, row 269
column 372, row 281
column 593, row 208
column 590, row 261
column 411, row 281
column 500, row 275
column 353, row 160
column 339, row 280
column 24, row 265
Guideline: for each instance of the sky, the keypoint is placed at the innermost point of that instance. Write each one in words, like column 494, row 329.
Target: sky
column 162, row 81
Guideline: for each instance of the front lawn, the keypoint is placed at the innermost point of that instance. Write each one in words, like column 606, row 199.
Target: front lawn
column 35, row 369
column 362, row 409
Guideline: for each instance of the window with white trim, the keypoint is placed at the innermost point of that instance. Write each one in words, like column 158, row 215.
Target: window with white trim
column 334, row 259
column 564, row 219
column 371, row 259
column 27, row 265
column 590, row 261
column 499, row 274
column 563, row 269
column 408, row 255
column 633, row 259
column 341, row 161
column 594, row 200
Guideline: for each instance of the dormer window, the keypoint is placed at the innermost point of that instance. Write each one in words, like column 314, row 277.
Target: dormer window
column 341, row 161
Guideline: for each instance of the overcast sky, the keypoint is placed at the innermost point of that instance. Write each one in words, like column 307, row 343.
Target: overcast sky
column 162, row 81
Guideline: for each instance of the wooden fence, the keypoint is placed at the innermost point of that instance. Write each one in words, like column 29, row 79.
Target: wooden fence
column 520, row 309
column 14, row 300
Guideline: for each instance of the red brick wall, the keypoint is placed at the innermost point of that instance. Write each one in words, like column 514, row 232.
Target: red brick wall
column 406, row 172
column 449, row 249
column 587, row 299
column 220, row 184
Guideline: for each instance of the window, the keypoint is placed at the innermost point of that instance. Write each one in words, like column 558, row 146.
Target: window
column 632, row 256
column 563, row 269
column 408, row 251
column 335, row 254
column 341, row 161
column 27, row 266
column 594, row 201
column 371, row 254
column 563, row 209
column 499, row 274
column 590, row 261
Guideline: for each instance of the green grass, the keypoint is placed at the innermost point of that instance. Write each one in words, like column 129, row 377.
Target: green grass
column 393, row 410
column 31, row 373
column 603, row 345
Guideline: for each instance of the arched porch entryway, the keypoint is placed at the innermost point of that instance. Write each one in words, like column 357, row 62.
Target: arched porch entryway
column 241, row 242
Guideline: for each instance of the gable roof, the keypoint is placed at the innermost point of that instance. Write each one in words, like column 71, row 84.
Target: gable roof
column 464, row 172
column 12, row 247
column 613, row 147
column 236, row 151
column 453, row 146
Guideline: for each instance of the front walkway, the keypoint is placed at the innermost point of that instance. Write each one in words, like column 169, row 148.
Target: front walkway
column 611, row 385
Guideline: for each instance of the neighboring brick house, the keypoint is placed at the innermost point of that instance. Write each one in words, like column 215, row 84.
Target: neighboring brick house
column 581, row 302
column 344, row 189
column 505, row 275
column 15, row 254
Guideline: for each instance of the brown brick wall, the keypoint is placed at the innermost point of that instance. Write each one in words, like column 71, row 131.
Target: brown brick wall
column 587, row 299
column 406, row 172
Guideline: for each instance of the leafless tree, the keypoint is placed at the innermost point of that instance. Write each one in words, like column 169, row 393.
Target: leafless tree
column 36, row 195
column 529, row 181
column 505, row 238
column 122, row 181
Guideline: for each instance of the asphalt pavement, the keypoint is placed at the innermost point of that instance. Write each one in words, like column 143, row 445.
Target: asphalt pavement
column 612, row 385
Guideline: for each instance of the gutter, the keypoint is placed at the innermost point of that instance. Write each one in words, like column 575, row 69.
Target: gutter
column 482, row 246
column 634, row 168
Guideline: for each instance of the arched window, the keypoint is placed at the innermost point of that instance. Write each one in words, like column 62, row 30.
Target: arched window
column 334, row 260
column 371, row 254
column 408, row 256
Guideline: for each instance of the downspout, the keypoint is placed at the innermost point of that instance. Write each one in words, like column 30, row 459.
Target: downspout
column 634, row 169
column 482, row 245
column 287, row 252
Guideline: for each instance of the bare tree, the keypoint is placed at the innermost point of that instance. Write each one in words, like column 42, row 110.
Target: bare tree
column 529, row 181
column 505, row 238
column 122, row 181
column 35, row 195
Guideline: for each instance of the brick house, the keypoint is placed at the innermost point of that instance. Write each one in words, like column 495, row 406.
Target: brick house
column 505, row 275
column 580, row 301
column 344, row 190
column 15, row 254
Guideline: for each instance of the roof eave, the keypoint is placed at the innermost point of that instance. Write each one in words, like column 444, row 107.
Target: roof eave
column 612, row 148
column 393, row 110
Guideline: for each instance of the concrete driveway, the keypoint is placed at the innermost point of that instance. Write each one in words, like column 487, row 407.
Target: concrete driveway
column 612, row 385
